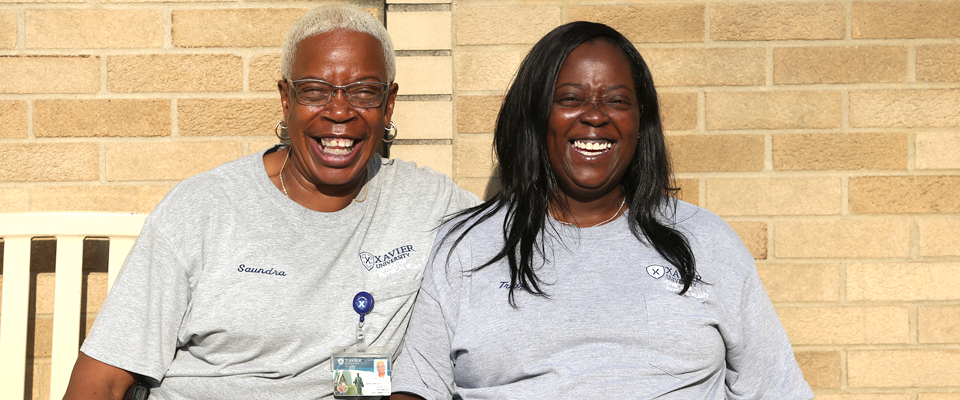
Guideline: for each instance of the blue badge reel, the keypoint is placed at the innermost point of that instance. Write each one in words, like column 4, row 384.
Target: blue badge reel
column 360, row 370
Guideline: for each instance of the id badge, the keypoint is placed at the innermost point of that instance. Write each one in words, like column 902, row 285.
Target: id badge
column 361, row 371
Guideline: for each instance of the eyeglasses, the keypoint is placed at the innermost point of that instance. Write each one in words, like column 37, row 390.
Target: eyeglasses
column 315, row 92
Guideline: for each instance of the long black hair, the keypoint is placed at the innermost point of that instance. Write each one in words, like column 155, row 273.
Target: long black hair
column 528, row 184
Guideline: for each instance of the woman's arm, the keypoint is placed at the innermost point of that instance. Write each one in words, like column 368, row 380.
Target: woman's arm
column 92, row 379
column 404, row 396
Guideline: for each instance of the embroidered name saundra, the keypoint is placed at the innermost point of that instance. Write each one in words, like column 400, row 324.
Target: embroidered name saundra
column 271, row 271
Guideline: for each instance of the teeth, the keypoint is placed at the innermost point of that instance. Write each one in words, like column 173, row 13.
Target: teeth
column 337, row 142
column 596, row 146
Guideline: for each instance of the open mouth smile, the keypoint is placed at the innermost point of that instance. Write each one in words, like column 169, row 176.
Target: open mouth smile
column 336, row 146
column 592, row 147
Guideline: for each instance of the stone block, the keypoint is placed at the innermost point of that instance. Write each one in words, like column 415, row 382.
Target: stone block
column 846, row 325
column 228, row 117
column 256, row 145
column 74, row 74
column 487, row 70
column 438, row 157
column 14, row 199
column 45, row 292
column 870, row 396
column 842, row 238
column 689, row 190
column 513, row 24
column 903, row 368
column 8, row 29
column 775, row 196
column 818, row 282
column 484, row 188
column 939, row 236
column 678, row 111
column 175, row 73
column 904, row 19
column 937, row 150
column 909, row 108
column 95, row 286
column 425, row 75
column 30, row 162
column 424, row 119
column 167, row 160
column 839, row 151
column 707, row 67
column 13, row 119
column 86, row 29
column 917, row 281
column 938, row 63
column 773, row 110
column 101, row 118
column 40, row 1
column 477, row 114
column 853, row 64
column 754, row 236
column 674, row 22
column 104, row 198
column 938, row 324
column 821, row 369
column 777, row 21
column 426, row 30
column 714, row 153
column 474, row 157
column 938, row 396
column 904, row 194
column 246, row 27
column 40, row 344
column 264, row 72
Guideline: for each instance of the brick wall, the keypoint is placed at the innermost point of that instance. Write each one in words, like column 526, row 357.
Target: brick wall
column 826, row 132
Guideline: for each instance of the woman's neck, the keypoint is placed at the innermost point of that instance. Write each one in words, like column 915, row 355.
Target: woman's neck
column 586, row 213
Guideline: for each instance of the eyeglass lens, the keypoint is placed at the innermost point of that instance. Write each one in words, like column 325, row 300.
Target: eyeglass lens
column 359, row 94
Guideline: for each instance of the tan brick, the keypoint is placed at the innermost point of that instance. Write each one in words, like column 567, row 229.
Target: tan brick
column 175, row 73
column 905, row 19
column 14, row 199
column 45, row 293
column 871, row 396
column 855, row 64
column 438, row 157
column 427, row 30
column 101, row 118
column 939, row 236
column 8, row 29
column 821, row 282
column 777, row 21
column 774, row 196
column 902, row 368
column 938, row 63
column 754, row 236
column 903, row 281
column 40, row 343
column 937, row 150
column 845, row 238
column 675, row 23
column 715, row 152
column 233, row 27
column 938, row 324
column 424, row 119
column 75, row 74
column 707, row 67
column 228, row 117
column 254, row 146
column 827, row 151
column 475, row 157
column 136, row 199
column 49, row 162
column 905, row 108
column 904, row 194
column 13, row 119
column 821, row 369
column 678, row 111
column 264, row 72
column 938, row 396
column 95, row 284
column 40, row 1
column 515, row 24
column 477, row 114
column 425, row 75
column 63, row 29
column 487, row 70
column 484, row 188
column 168, row 160
column 773, row 110
column 689, row 190
column 41, row 379
column 845, row 325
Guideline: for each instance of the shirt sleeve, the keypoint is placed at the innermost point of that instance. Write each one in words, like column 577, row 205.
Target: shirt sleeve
column 138, row 325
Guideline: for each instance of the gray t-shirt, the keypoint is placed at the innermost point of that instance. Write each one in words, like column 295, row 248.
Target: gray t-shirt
column 612, row 325
column 235, row 291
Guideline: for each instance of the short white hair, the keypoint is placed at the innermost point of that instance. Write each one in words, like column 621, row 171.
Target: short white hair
column 332, row 17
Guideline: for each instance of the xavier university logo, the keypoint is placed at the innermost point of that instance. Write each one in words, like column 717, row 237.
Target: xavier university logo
column 655, row 271
column 371, row 261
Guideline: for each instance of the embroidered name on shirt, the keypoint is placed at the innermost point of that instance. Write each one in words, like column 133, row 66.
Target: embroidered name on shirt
column 271, row 271
column 371, row 261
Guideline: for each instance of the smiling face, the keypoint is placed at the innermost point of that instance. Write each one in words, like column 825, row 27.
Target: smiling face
column 592, row 134
column 331, row 144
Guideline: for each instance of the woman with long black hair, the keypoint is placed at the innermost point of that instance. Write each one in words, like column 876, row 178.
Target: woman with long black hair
column 582, row 277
